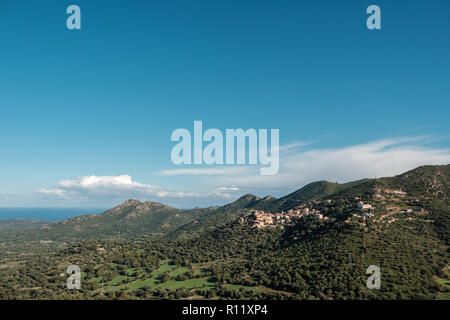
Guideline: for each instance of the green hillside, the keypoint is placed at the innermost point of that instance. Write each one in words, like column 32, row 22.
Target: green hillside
column 14, row 224
column 310, row 192
column 320, row 250
column 130, row 219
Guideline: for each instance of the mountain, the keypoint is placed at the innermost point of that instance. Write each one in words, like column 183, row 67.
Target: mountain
column 134, row 218
column 320, row 250
column 127, row 220
column 312, row 191
column 405, row 232
column 217, row 217
column 246, row 201
column 228, row 212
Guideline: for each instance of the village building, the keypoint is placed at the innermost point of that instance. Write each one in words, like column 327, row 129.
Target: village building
column 364, row 206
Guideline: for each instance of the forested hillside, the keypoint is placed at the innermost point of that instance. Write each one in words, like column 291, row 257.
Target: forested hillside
column 315, row 243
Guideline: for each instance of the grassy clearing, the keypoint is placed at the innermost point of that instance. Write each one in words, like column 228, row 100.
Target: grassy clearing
column 154, row 280
column 165, row 266
column 446, row 283
column 178, row 271
column 205, row 282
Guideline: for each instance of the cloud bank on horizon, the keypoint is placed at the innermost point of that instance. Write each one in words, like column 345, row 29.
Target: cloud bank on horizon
column 219, row 185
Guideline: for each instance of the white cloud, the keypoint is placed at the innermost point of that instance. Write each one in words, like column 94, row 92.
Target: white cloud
column 107, row 185
column 385, row 157
column 232, row 188
column 206, row 171
column 294, row 145
column 120, row 187
column 52, row 192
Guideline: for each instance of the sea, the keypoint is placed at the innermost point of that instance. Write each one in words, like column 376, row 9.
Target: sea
column 49, row 214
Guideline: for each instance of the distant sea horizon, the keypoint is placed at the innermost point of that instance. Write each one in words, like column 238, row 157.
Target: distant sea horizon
column 42, row 213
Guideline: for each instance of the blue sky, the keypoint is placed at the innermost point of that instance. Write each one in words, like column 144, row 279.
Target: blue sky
column 103, row 101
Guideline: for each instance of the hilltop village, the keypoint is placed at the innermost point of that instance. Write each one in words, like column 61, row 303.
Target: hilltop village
column 263, row 219
column 381, row 205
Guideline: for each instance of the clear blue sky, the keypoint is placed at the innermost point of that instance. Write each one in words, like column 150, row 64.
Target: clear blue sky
column 104, row 100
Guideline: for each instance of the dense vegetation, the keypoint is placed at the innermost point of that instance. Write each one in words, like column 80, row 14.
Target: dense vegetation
column 150, row 251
